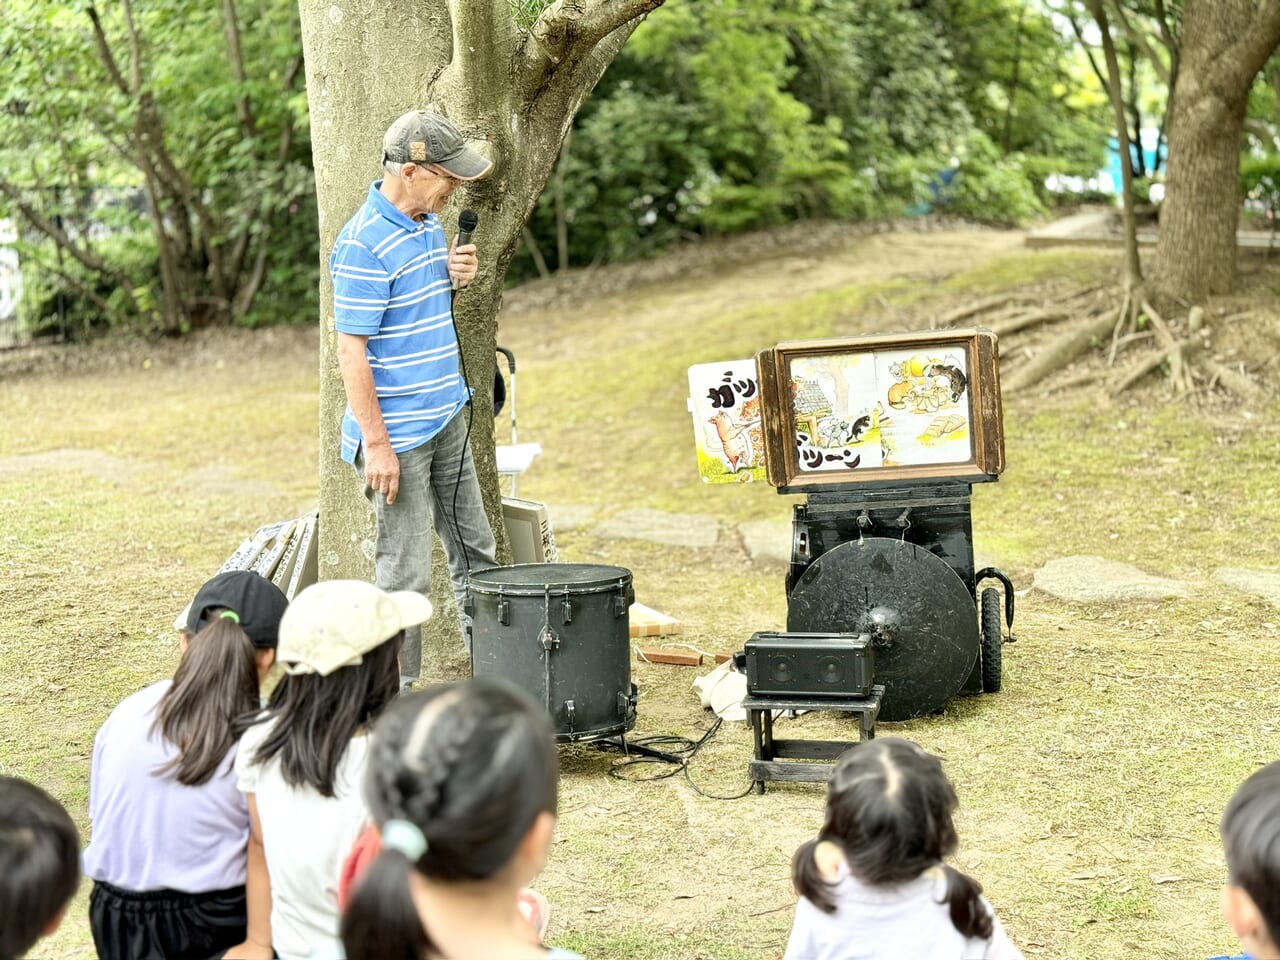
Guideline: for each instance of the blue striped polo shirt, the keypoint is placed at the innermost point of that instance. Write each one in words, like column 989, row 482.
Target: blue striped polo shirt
column 391, row 284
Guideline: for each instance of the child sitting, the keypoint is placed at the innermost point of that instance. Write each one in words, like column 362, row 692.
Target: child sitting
column 1251, row 837
column 39, row 865
column 462, row 783
column 873, row 884
column 301, row 763
column 174, row 874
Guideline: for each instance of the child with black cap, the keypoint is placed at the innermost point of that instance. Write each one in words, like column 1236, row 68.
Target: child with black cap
column 170, row 856
column 39, row 865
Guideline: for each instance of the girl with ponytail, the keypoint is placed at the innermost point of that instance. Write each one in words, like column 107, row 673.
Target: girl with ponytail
column 170, row 855
column 873, row 883
column 462, row 784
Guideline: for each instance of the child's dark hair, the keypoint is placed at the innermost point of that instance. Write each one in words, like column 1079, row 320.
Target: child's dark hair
column 471, row 764
column 889, row 810
column 39, row 864
column 316, row 717
column 1250, row 831
column 215, row 685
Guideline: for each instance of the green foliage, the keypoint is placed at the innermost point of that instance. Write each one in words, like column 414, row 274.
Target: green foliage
column 1260, row 178
column 724, row 117
column 148, row 132
column 1260, row 186
column 525, row 12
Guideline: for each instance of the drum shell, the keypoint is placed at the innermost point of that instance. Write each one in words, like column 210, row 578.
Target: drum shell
column 560, row 631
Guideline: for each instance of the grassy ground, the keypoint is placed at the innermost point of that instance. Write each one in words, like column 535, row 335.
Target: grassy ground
column 1090, row 787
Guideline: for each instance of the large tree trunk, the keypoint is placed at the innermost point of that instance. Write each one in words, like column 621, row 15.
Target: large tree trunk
column 517, row 91
column 1224, row 45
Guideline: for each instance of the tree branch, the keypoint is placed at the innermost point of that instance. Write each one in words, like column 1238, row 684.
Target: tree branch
column 567, row 30
column 82, row 288
column 1139, row 36
column 135, row 48
column 104, row 51
column 1250, row 53
column 1088, row 51
column 244, row 110
column 86, row 258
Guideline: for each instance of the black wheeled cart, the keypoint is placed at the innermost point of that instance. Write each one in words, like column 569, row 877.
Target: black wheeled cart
column 885, row 436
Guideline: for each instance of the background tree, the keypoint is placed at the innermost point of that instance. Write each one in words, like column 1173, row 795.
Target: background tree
column 157, row 155
column 1224, row 45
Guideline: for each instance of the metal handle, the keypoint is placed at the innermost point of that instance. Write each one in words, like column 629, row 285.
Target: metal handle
column 546, row 636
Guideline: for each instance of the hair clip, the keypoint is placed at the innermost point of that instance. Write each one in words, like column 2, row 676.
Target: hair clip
column 229, row 615
column 405, row 837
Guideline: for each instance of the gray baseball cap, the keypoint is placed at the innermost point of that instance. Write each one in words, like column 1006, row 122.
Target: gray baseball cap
column 422, row 137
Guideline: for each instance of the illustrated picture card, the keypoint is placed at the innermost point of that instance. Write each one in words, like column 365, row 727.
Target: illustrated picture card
column 724, row 399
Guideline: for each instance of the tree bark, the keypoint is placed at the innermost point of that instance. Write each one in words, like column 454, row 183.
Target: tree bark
column 515, row 94
column 1224, row 45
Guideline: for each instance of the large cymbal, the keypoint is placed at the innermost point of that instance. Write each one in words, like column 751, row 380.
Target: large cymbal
column 920, row 615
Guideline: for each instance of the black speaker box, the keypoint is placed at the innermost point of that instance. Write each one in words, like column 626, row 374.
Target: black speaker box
column 809, row 665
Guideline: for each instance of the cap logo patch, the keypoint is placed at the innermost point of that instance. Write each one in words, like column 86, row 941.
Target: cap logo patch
column 417, row 151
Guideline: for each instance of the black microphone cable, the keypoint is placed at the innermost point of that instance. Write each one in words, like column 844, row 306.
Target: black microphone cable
column 467, row 221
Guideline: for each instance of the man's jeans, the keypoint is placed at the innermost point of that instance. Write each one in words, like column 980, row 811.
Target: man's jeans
column 438, row 489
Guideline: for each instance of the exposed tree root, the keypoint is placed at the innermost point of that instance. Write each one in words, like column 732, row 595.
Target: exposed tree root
column 1115, row 323
column 1060, row 352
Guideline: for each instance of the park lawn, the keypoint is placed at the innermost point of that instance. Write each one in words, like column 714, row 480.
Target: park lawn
column 1090, row 787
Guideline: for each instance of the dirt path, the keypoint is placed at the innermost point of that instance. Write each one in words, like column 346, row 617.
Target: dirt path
column 702, row 283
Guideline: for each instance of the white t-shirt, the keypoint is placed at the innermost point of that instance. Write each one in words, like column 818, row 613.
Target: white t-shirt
column 306, row 838
column 872, row 923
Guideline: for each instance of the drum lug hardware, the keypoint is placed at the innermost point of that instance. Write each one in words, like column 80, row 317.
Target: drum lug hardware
column 569, row 712
column 568, row 610
column 619, row 605
column 504, row 611
column 548, row 638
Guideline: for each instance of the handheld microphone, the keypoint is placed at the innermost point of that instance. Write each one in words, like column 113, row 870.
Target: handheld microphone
column 467, row 221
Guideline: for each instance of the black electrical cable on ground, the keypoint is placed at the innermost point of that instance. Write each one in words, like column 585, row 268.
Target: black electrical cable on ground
column 677, row 760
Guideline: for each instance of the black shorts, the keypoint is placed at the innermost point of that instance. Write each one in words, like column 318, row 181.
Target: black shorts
column 165, row 924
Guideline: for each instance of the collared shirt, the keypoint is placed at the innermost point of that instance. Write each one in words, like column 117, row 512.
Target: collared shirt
column 391, row 284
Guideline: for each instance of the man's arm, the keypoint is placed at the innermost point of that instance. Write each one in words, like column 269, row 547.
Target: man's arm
column 381, row 465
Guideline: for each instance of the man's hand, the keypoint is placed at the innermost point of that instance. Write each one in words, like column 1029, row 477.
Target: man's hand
column 382, row 470
column 463, row 265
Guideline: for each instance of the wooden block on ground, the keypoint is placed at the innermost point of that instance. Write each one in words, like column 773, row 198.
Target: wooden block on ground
column 723, row 657
column 647, row 622
column 678, row 657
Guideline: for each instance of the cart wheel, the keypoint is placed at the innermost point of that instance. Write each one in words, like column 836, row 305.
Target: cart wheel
column 992, row 640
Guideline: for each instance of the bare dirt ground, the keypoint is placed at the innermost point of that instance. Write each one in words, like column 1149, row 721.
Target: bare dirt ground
column 1089, row 786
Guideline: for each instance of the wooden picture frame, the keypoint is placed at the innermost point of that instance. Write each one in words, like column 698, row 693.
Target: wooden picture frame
column 881, row 408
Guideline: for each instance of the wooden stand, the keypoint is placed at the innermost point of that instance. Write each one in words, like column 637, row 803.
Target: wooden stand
column 771, row 755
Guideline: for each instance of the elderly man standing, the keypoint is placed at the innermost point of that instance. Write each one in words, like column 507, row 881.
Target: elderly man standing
column 405, row 430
